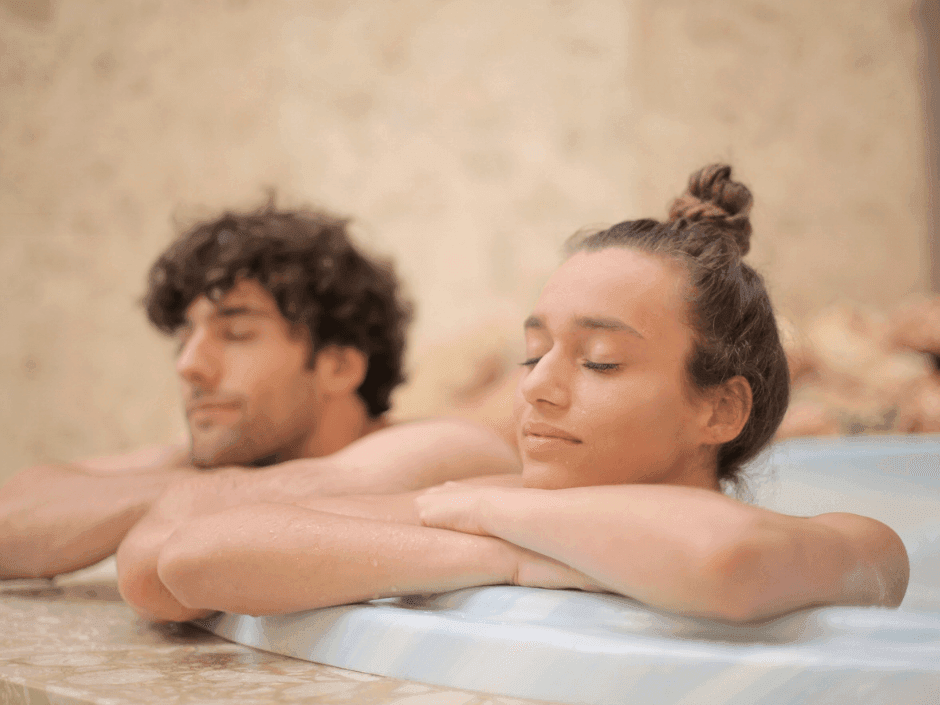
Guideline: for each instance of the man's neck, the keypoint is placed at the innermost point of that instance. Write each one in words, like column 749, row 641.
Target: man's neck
column 342, row 423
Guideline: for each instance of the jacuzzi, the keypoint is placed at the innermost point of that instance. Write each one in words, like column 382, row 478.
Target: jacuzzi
column 574, row 647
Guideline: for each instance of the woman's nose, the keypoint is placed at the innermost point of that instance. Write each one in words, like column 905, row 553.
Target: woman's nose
column 198, row 362
column 546, row 382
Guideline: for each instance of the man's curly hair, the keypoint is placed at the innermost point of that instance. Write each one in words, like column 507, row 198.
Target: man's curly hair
column 319, row 279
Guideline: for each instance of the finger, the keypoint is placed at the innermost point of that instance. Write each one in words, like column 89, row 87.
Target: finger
column 431, row 512
column 438, row 489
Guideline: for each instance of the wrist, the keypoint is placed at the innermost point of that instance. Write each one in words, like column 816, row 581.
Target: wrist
column 496, row 511
column 506, row 556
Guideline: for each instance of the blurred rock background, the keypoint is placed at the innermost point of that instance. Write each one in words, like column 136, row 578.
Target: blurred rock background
column 468, row 138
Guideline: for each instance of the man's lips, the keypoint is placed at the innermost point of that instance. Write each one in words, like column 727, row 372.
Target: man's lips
column 536, row 430
column 208, row 406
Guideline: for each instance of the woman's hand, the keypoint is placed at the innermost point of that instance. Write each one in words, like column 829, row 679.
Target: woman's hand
column 535, row 570
column 457, row 506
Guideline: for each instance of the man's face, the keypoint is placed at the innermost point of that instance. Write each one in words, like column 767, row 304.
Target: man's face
column 248, row 391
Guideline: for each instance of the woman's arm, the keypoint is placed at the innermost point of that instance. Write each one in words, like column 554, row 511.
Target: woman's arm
column 182, row 506
column 179, row 564
column 688, row 550
column 273, row 558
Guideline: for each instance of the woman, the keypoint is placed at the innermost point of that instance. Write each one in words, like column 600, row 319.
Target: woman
column 653, row 371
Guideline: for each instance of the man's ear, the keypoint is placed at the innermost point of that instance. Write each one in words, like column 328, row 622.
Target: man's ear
column 341, row 369
column 730, row 407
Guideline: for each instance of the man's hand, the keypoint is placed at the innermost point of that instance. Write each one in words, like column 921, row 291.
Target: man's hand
column 58, row 518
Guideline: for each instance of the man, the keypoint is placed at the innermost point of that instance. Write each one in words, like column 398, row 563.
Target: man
column 291, row 342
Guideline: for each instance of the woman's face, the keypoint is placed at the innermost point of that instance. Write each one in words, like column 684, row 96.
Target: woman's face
column 605, row 398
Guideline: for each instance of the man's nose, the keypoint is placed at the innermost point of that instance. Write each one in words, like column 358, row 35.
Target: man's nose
column 199, row 362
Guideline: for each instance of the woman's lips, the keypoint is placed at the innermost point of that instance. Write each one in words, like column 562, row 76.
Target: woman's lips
column 538, row 438
column 543, row 430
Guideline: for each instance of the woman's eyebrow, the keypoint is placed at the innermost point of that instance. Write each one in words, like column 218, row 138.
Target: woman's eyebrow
column 591, row 323
column 611, row 324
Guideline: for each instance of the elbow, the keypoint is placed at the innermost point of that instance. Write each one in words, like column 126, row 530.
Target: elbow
column 142, row 592
column 24, row 559
column 26, row 552
column 142, row 589
column 182, row 570
column 733, row 592
column 735, row 577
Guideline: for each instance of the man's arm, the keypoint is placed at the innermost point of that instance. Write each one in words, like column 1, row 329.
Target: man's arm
column 688, row 550
column 400, row 458
column 61, row 517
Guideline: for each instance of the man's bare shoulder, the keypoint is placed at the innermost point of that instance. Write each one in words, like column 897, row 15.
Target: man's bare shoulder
column 508, row 480
column 413, row 455
column 139, row 460
column 450, row 435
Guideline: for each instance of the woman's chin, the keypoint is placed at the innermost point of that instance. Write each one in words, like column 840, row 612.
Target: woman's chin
column 546, row 476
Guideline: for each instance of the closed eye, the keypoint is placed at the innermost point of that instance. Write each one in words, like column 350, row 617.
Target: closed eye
column 601, row 366
column 531, row 362
column 238, row 335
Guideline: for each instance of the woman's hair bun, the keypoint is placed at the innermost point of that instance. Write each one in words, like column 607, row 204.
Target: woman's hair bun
column 712, row 196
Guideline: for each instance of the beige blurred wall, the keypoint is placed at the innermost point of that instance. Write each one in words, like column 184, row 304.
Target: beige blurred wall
column 469, row 138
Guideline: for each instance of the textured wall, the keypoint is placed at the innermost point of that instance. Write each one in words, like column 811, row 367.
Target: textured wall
column 818, row 105
column 469, row 138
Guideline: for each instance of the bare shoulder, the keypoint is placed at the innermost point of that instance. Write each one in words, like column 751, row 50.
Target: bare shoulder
column 449, row 428
column 433, row 441
column 141, row 459
column 507, row 480
column 411, row 456
column 878, row 547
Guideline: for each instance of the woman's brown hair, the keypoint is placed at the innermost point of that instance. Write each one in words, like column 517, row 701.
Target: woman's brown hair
column 709, row 231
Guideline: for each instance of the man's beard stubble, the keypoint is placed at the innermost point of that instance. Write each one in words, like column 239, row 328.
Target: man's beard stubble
column 233, row 447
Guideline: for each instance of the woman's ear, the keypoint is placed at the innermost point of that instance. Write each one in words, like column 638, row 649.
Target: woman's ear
column 731, row 404
column 341, row 369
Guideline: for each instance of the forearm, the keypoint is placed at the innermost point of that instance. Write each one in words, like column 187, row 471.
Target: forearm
column 269, row 558
column 687, row 550
column 59, row 518
column 623, row 537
